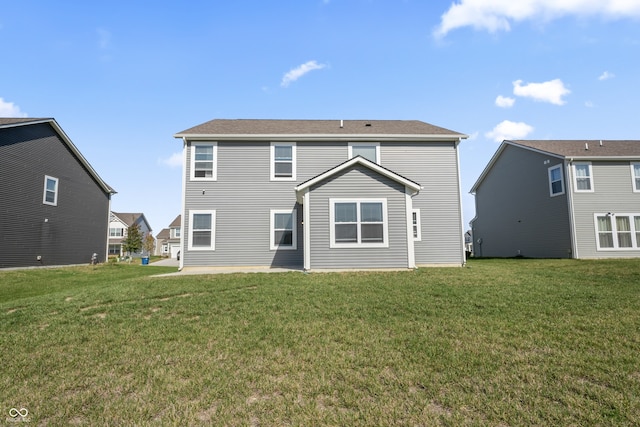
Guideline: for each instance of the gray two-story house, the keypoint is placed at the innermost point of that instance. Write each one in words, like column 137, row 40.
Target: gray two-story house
column 559, row 199
column 321, row 194
column 54, row 207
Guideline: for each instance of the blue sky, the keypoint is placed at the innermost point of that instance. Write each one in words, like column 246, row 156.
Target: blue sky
column 122, row 77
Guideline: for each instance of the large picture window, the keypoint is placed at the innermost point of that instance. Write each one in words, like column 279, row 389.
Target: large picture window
column 50, row 196
column 617, row 231
column 583, row 177
column 283, row 229
column 556, row 182
column 203, row 161
column 202, row 225
column 283, row 161
column 358, row 223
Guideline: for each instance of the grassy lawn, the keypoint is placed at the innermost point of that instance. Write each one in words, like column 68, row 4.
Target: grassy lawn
column 500, row 342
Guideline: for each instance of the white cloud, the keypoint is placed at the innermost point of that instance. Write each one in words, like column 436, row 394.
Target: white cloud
column 509, row 130
column 551, row 91
column 606, row 76
column 589, row 104
column 300, row 71
column 498, row 15
column 9, row 109
column 173, row 161
column 504, row 101
column 104, row 38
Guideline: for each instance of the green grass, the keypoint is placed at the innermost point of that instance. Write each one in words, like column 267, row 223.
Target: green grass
column 501, row 342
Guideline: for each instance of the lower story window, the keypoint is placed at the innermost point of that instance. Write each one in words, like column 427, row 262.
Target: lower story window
column 283, row 229
column 617, row 231
column 358, row 223
column 415, row 224
column 202, row 230
column 114, row 249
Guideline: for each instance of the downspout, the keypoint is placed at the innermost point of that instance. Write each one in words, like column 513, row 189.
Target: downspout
column 572, row 220
column 306, row 230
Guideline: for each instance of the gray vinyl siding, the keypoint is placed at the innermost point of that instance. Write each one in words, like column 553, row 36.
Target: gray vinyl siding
column 243, row 197
column 435, row 167
column 354, row 183
column 68, row 233
column 613, row 192
column 515, row 214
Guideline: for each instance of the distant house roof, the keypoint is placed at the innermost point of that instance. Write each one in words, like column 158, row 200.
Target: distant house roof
column 575, row 149
column 164, row 234
column 318, row 129
column 584, row 148
column 9, row 122
column 176, row 222
column 130, row 218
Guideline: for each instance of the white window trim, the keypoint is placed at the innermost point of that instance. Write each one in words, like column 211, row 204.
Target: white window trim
column 332, row 224
column 55, row 193
column 272, row 244
column 213, row 231
column 634, row 177
column 214, row 172
column 575, row 177
column 418, row 226
column 272, row 161
column 365, row 144
column 635, row 244
column 551, row 193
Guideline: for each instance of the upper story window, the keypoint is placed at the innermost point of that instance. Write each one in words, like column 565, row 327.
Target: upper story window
column 202, row 225
column 368, row 150
column 358, row 223
column 556, row 182
column 635, row 174
column 283, row 161
column 175, row 232
column 50, row 196
column 116, row 232
column 583, row 177
column 283, row 229
column 203, row 161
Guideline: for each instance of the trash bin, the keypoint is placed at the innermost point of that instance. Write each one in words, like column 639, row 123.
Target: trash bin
column 145, row 260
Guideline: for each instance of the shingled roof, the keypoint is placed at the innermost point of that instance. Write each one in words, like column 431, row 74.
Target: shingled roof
column 5, row 121
column 584, row 148
column 302, row 128
column 574, row 149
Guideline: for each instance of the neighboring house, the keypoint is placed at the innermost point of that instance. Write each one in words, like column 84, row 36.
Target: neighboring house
column 559, row 199
column 169, row 239
column 162, row 247
column 468, row 242
column 118, row 225
column 54, row 207
column 321, row 194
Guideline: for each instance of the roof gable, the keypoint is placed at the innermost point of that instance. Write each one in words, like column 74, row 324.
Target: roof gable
column 9, row 122
column 358, row 160
column 318, row 129
column 569, row 149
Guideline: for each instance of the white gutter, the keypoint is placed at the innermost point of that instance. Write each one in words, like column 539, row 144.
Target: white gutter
column 323, row 137
column 184, row 204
